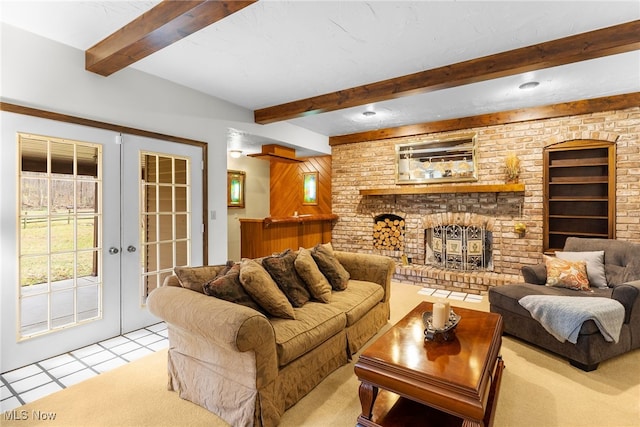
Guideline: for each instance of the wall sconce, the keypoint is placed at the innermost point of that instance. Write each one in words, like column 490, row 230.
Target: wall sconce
column 235, row 153
column 520, row 228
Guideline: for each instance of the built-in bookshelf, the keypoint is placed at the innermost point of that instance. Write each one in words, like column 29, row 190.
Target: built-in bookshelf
column 579, row 191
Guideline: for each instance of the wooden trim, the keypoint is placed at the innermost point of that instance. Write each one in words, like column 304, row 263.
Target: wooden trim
column 34, row 112
column 580, row 47
column 157, row 28
column 574, row 108
column 445, row 189
column 299, row 218
column 44, row 114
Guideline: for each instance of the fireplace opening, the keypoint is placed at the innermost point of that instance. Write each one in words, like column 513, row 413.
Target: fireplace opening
column 388, row 232
column 459, row 242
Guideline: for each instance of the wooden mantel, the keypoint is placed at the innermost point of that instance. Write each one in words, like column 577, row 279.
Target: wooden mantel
column 445, row 189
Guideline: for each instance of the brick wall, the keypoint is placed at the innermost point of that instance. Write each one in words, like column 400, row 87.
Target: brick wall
column 371, row 165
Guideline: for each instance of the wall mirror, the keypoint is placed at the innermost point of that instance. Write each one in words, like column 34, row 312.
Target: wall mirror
column 443, row 160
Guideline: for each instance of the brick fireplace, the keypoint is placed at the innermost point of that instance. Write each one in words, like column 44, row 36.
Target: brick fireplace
column 492, row 213
column 370, row 164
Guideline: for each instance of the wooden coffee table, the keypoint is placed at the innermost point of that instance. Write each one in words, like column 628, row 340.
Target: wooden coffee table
column 453, row 383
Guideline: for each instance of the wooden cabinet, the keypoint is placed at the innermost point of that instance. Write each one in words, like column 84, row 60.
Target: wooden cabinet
column 579, row 191
column 263, row 237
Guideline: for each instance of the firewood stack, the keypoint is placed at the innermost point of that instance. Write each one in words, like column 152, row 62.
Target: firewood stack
column 388, row 234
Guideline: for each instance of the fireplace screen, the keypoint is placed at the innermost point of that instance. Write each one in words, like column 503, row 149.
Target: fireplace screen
column 459, row 247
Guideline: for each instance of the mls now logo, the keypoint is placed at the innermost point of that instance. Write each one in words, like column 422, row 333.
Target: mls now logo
column 24, row 415
column 16, row 415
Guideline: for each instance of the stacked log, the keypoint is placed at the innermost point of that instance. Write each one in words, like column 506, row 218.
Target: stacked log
column 388, row 234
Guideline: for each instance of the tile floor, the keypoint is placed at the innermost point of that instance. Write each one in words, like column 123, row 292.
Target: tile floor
column 32, row 382
column 459, row 296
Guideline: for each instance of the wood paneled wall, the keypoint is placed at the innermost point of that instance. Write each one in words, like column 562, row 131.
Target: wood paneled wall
column 286, row 187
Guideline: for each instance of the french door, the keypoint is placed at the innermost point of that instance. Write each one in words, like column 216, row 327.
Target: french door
column 101, row 219
column 160, row 180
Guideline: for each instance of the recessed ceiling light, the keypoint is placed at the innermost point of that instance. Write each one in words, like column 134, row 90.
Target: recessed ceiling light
column 369, row 113
column 235, row 153
column 528, row 85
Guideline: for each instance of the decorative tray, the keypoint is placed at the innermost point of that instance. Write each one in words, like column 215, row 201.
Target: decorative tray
column 443, row 334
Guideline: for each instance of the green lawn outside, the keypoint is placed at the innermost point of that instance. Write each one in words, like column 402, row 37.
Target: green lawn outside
column 33, row 240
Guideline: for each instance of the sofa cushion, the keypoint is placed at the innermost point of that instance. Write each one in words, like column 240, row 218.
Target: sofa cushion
column 259, row 284
column 566, row 274
column 315, row 323
column 283, row 271
column 195, row 277
column 595, row 265
column 329, row 265
column 227, row 287
column 357, row 299
column 506, row 297
column 307, row 268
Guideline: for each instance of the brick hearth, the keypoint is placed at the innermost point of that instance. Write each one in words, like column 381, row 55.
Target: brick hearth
column 462, row 281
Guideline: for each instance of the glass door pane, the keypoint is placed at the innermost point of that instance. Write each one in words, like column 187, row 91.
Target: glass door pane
column 165, row 217
column 60, row 187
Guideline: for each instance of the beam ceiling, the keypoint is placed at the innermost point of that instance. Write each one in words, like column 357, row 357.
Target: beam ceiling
column 586, row 106
column 594, row 44
column 155, row 29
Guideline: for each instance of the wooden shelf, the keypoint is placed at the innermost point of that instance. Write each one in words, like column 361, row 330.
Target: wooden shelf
column 579, row 217
column 445, row 189
column 581, row 234
column 578, row 199
column 572, row 163
column 277, row 153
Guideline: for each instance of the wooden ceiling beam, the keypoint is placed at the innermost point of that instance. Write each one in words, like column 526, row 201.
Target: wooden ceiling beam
column 155, row 29
column 565, row 109
column 594, row 44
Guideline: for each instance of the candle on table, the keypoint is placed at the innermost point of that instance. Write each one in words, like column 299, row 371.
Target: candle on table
column 447, row 310
column 439, row 315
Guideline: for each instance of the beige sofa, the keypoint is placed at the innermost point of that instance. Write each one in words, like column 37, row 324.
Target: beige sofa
column 248, row 367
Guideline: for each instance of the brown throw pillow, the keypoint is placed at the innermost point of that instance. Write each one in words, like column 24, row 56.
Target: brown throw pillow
column 261, row 287
column 227, row 287
column 329, row 265
column 195, row 277
column 317, row 284
column 283, row 271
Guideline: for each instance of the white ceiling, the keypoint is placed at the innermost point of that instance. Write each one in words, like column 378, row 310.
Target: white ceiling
column 274, row 51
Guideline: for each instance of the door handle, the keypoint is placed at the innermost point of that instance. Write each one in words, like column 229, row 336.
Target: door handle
column 113, row 250
column 131, row 248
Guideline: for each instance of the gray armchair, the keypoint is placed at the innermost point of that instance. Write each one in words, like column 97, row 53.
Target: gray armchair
column 622, row 270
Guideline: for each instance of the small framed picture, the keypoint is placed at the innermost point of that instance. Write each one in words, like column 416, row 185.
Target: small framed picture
column 235, row 189
column 310, row 188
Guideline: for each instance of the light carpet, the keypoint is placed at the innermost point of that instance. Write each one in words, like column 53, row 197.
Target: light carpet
column 538, row 389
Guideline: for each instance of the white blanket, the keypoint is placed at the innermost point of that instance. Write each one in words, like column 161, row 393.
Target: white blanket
column 562, row 316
